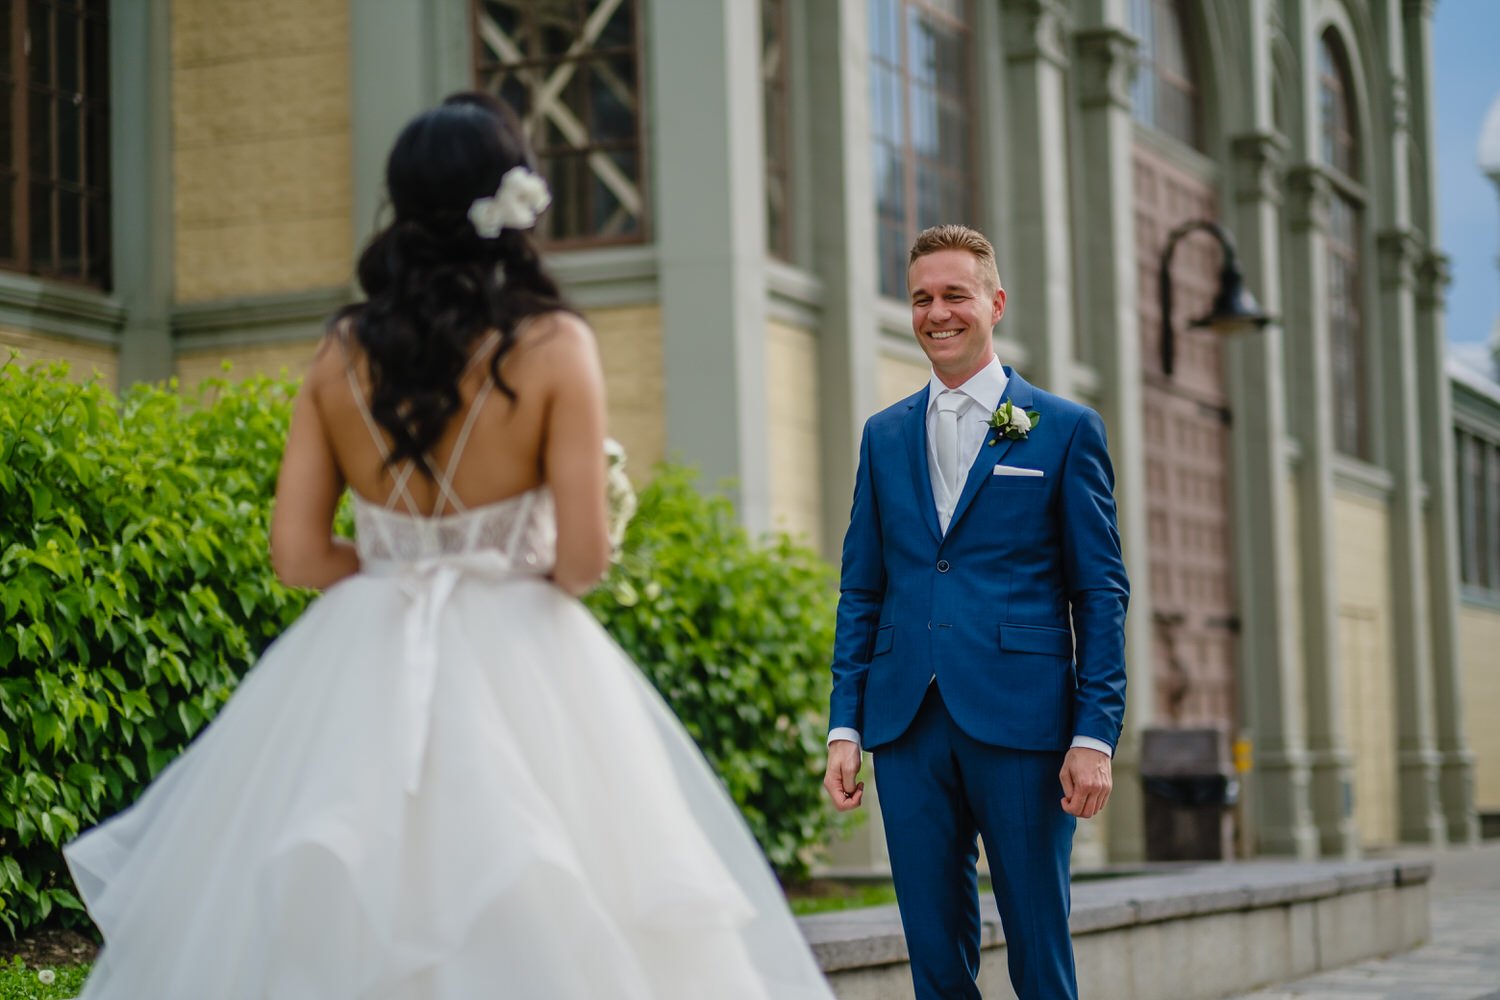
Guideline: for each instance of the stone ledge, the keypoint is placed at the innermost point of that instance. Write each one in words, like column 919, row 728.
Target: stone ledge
column 866, row 947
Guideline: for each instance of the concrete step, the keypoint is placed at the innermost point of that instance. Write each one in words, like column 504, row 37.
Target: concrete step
column 1196, row 932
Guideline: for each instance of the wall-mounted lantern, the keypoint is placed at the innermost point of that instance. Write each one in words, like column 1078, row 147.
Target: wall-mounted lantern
column 1234, row 309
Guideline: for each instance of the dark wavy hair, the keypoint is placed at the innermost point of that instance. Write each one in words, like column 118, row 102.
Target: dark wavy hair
column 432, row 284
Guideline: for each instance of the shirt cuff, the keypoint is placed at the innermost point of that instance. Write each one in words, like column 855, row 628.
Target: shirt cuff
column 1093, row 744
column 845, row 733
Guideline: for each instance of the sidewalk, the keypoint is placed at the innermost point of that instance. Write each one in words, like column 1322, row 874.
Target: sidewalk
column 1462, row 962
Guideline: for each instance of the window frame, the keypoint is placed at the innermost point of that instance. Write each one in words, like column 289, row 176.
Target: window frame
column 1476, row 480
column 487, row 67
column 94, row 196
column 967, row 175
column 776, row 89
column 1152, row 79
column 1345, row 254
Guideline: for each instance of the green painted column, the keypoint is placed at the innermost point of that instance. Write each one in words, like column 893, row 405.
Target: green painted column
column 1455, row 759
column 1107, row 264
column 1440, row 532
column 708, row 194
column 1309, row 196
column 404, row 55
column 1271, row 696
column 1041, row 264
column 1306, row 310
column 1398, row 253
column 141, row 168
column 841, row 202
column 1279, row 805
column 1420, row 817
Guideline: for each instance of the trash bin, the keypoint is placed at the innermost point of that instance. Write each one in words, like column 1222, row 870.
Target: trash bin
column 1190, row 786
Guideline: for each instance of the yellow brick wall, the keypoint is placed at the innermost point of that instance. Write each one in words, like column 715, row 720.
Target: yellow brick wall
column 289, row 359
column 630, row 344
column 795, row 443
column 1368, row 685
column 1478, row 638
column 84, row 359
column 897, row 378
column 260, row 146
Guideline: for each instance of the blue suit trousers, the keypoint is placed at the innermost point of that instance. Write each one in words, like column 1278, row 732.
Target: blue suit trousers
column 948, row 789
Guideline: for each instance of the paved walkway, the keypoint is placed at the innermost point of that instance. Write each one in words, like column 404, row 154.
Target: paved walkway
column 1461, row 963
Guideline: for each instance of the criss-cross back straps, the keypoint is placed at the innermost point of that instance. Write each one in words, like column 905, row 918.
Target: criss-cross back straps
column 443, row 477
column 399, row 491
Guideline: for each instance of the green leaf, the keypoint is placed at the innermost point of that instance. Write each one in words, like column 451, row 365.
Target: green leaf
column 47, row 728
column 10, row 872
column 158, row 758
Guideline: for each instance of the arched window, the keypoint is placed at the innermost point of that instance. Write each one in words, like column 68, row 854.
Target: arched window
column 1165, row 93
column 1340, row 144
column 1346, row 327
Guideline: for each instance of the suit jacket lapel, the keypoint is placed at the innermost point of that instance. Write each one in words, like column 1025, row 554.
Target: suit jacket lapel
column 915, row 426
column 1020, row 393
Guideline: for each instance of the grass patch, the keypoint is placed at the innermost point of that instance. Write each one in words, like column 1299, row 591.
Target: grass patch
column 19, row 982
column 826, row 896
column 821, row 895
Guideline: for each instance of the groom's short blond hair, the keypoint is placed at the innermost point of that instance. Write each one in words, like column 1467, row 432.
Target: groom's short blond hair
column 956, row 237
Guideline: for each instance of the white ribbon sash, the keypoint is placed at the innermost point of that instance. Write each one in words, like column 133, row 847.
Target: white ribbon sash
column 428, row 584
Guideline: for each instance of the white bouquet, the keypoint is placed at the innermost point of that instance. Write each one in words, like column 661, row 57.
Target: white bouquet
column 618, row 492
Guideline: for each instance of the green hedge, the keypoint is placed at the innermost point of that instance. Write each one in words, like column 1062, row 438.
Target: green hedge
column 136, row 590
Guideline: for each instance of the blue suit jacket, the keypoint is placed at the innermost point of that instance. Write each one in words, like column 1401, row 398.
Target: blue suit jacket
column 1019, row 610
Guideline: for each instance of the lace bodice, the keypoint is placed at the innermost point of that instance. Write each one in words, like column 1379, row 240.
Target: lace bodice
column 522, row 528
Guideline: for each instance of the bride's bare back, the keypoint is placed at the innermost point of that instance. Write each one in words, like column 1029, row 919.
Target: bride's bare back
column 551, row 433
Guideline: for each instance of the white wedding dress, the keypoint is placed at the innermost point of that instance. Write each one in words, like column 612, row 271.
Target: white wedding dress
column 444, row 781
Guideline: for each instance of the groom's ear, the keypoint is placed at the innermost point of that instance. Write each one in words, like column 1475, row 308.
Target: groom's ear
column 997, row 306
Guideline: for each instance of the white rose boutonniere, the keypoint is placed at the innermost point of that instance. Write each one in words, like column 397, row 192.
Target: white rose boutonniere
column 1011, row 423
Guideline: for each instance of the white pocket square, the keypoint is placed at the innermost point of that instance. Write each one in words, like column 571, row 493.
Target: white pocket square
column 1016, row 470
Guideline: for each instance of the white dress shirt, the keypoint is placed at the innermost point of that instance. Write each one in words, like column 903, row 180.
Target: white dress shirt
column 984, row 388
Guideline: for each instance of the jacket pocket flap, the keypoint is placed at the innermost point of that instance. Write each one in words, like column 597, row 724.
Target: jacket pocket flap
column 1036, row 639
column 885, row 637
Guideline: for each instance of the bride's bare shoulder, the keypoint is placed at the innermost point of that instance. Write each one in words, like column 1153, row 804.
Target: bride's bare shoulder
column 335, row 353
column 555, row 341
column 558, row 330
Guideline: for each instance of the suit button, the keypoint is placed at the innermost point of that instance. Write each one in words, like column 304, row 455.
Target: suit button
column 942, row 566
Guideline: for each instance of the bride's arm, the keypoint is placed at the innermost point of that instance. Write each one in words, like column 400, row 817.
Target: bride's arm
column 573, row 452
column 304, row 551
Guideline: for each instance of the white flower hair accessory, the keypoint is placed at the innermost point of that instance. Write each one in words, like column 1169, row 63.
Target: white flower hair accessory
column 521, row 197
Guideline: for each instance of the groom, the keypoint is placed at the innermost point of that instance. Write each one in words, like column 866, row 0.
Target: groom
column 980, row 649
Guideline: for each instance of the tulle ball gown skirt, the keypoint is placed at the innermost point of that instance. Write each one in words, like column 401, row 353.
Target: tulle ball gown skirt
column 433, row 790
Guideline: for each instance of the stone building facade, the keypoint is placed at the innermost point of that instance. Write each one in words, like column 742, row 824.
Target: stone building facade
column 736, row 184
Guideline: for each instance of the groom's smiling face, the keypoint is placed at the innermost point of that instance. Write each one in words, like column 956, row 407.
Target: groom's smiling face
column 953, row 313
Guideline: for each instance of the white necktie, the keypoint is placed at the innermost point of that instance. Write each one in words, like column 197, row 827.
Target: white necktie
column 951, row 406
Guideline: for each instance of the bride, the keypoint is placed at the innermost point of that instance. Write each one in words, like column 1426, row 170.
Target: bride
column 444, row 781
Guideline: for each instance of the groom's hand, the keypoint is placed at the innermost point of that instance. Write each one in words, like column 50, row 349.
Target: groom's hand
column 840, row 779
column 1086, row 781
